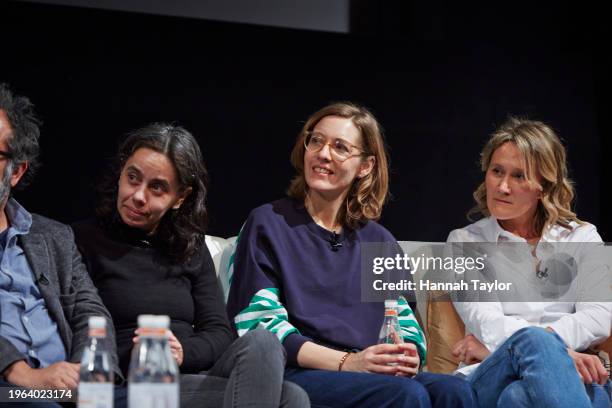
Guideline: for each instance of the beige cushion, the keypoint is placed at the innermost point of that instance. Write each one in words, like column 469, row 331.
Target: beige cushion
column 606, row 346
column 444, row 329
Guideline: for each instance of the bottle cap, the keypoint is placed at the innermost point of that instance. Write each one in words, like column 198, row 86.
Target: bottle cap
column 153, row 321
column 97, row 322
column 390, row 303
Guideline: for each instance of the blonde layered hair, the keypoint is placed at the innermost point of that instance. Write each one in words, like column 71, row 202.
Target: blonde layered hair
column 367, row 195
column 546, row 168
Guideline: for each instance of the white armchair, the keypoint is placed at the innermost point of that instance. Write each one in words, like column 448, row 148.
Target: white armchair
column 221, row 250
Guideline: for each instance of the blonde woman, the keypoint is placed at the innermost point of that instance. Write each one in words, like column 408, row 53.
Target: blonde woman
column 297, row 274
column 530, row 353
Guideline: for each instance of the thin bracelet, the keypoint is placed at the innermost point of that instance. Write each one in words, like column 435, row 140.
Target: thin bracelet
column 343, row 360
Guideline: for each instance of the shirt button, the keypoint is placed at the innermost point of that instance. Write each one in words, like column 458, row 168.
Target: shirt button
column 25, row 319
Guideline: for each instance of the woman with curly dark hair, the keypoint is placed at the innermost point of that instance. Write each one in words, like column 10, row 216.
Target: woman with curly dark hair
column 146, row 254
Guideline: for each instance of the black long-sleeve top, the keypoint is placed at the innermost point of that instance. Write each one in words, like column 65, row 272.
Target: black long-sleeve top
column 134, row 278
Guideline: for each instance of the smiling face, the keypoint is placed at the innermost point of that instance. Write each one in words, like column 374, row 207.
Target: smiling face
column 148, row 188
column 510, row 196
column 329, row 177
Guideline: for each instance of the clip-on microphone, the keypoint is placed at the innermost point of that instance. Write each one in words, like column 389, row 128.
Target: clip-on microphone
column 334, row 241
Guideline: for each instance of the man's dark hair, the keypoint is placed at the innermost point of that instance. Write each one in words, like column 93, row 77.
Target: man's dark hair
column 180, row 232
column 23, row 141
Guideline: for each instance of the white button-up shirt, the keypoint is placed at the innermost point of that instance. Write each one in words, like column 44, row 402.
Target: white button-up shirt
column 579, row 324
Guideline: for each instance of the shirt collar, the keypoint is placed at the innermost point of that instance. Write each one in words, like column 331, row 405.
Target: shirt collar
column 495, row 233
column 20, row 220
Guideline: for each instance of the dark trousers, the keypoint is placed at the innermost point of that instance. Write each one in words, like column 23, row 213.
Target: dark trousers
column 335, row 389
column 248, row 374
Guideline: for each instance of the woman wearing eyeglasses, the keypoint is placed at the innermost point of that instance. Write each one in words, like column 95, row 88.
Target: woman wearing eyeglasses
column 297, row 273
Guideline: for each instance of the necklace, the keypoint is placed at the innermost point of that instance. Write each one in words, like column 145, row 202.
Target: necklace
column 319, row 221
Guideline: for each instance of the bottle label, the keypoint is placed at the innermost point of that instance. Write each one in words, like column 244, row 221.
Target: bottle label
column 153, row 395
column 95, row 395
column 97, row 332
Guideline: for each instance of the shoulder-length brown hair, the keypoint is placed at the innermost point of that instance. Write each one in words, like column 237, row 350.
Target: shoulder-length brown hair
column 367, row 195
column 544, row 156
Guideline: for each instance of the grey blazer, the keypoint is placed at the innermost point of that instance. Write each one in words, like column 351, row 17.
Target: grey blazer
column 64, row 283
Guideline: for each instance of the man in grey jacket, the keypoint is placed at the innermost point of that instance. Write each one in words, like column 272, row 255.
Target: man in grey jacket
column 46, row 295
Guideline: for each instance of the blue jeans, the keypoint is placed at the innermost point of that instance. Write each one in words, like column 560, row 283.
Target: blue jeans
column 345, row 389
column 532, row 368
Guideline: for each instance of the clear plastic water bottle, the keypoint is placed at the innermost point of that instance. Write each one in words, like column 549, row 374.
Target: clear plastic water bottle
column 390, row 332
column 153, row 374
column 96, row 374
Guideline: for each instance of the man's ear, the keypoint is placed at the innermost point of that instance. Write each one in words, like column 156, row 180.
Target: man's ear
column 18, row 172
column 182, row 198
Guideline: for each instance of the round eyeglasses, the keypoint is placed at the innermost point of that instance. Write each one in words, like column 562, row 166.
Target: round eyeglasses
column 340, row 149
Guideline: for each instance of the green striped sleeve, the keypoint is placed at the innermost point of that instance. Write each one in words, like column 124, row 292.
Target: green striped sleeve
column 265, row 312
column 411, row 331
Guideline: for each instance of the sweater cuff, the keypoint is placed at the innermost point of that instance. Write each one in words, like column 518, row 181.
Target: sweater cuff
column 292, row 344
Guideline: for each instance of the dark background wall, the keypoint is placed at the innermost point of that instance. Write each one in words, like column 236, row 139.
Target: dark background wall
column 440, row 77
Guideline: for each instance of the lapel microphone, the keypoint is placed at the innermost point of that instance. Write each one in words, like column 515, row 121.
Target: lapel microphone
column 334, row 241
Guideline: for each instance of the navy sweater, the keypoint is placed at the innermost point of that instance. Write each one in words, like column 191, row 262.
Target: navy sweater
column 289, row 280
